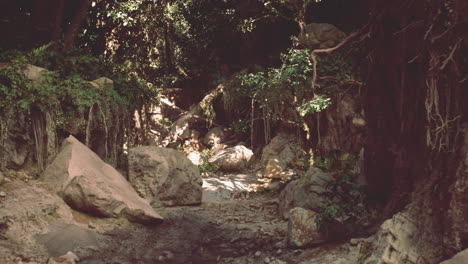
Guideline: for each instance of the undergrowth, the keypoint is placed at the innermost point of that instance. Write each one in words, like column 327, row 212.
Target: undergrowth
column 348, row 211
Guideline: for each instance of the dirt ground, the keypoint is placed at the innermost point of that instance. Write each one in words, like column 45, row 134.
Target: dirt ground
column 232, row 225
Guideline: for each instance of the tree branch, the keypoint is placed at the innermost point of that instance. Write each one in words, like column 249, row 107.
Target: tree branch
column 313, row 54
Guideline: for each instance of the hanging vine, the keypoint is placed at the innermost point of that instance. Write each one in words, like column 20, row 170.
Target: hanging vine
column 444, row 43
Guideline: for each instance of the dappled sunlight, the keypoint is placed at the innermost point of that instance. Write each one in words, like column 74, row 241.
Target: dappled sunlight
column 221, row 188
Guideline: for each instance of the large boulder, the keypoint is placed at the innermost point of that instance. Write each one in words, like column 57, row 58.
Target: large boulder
column 320, row 35
column 232, row 159
column 303, row 230
column 164, row 177
column 282, row 150
column 307, row 192
column 90, row 185
column 398, row 241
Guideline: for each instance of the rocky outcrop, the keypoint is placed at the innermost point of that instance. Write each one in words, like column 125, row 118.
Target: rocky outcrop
column 317, row 35
column 401, row 239
column 232, row 159
column 88, row 184
column 278, row 154
column 306, row 192
column 164, row 177
column 303, row 230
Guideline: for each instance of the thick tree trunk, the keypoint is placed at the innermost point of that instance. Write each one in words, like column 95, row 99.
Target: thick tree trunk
column 75, row 24
column 417, row 122
column 58, row 19
column 41, row 21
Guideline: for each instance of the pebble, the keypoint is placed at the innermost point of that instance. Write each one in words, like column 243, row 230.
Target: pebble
column 168, row 254
column 267, row 260
column 258, row 254
column 279, row 251
column 2, row 194
column 279, row 244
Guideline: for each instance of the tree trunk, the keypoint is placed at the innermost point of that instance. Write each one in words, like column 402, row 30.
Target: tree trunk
column 417, row 122
column 167, row 47
column 41, row 21
column 75, row 24
column 184, row 122
column 57, row 26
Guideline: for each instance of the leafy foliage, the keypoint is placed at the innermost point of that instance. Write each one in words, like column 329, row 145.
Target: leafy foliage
column 348, row 200
column 205, row 166
column 66, row 89
column 287, row 85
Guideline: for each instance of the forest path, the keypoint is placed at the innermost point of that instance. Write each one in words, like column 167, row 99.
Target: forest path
column 230, row 226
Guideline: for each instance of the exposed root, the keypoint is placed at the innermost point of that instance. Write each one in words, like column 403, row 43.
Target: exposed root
column 313, row 54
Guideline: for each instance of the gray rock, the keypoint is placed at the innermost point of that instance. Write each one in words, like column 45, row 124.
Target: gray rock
column 281, row 151
column 195, row 157
column 214, row 136
column 103, row 83
column 306, row 192
column 34, row 73
column 398, row 240
column 232, row 159
column 320, row 35
column 277, row 261
column 460, row 258
column 90, row 185
column 303, row 230
column 164, row 177
column 69, row 258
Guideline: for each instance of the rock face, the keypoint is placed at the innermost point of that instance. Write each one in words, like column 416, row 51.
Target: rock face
column 88, row 184
column 306, row 192
column 321, row 36
column 281, row 151
column 303, row 230
column 398, row 241
column 164, row 177
column 460, row 258
column 232, row 159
